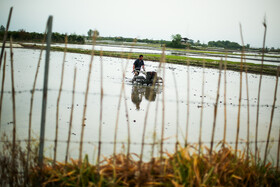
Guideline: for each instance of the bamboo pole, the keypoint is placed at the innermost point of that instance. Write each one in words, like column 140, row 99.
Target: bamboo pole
column 5, row 35
column 71, row 115
column 86, row 97
column 259, row 92
column 216, row 109
column 31, row 109
column 145, row 121
column 163, row 109
column 247, row 92
column 177, row 113
column 2, row 88
column 201, row 113
column 101, row 110
column 45, row 92
column 271, row 116
column 14, row 110
column 239, row 106
column 122, row 92
column 225, row 102
column 188, row 102
column 58, row 102
column 31, row 106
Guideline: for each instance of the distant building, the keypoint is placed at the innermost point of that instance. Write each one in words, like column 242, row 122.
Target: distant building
column 184, row 40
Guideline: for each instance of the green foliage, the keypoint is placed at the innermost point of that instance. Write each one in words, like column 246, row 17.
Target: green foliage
column 224, row 44
column 23, row 36
column 92, row 32
column 176, row 42
column 2, row 28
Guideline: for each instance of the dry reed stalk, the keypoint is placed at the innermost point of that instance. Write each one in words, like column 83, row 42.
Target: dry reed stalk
column 278, row 152
column 58, row 101
column 177, row 113
column 247, row 92
column 271, row 117
column 145, row 122
column 188, row 102
column 122, row 91
column 248, row 112
column 14, row 109
column 216, row 108
column 5, row 35
column 225, row 101
column 201, row 113
column 163, row 109
column 31, row 106
column 239, row 106
column 128, row 125
column 2, row 87
column 101, row 109
column 86, row 97
column 154, row 134
column 71, row 115
column 126, row 107
column 259, row 92
column 116, row 129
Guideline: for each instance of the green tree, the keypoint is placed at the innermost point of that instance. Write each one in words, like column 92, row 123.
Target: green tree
column 96, row 32
column 90, row 33
column 176, row 42
column 2, row 28
column 176, row 39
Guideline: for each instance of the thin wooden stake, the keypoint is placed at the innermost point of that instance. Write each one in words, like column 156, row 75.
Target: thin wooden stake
column 14, row 108
column 71, row 115
column 247, row 92
column 145, row 120
column 271, row 116
column 5, row 35
column 188, row 102
column 225, row 102
column 86, row 97
column 31, row 109
column 45, row 92
column 177, row 113
column 58, row 101
column 101, row 109
column 259, row 92
column 216, row 108
column 239, row 106
column 201, row 113
column 2, row 87
column 163, row 109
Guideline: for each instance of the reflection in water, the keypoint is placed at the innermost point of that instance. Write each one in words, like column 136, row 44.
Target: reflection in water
column 138, row 91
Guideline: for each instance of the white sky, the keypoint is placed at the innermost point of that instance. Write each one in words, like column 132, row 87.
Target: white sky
column 204, row 20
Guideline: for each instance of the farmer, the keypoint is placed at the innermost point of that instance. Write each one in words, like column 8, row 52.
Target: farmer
column 138, row 64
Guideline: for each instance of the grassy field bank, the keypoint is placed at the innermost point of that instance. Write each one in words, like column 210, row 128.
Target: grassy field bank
column 209, row 63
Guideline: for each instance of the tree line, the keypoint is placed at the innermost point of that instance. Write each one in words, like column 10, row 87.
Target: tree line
column 23, row 36
column 176, row 42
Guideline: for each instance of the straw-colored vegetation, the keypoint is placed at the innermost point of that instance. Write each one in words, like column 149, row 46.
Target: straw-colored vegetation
column 183, row 168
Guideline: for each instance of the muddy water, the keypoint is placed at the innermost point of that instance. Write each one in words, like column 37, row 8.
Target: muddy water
column 137, row 101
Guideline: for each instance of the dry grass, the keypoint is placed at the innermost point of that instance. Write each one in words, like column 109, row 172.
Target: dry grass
column 184, row 168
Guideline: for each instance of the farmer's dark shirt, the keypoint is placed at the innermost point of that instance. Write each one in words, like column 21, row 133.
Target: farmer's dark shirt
column 138, row 63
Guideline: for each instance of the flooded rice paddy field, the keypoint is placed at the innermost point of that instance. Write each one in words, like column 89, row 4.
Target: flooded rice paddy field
column 25, row 62
column 256, row 58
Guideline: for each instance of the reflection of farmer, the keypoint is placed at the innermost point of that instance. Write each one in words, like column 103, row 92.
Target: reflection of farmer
column 136, row 97
column 138, row 64
column 150, row 94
